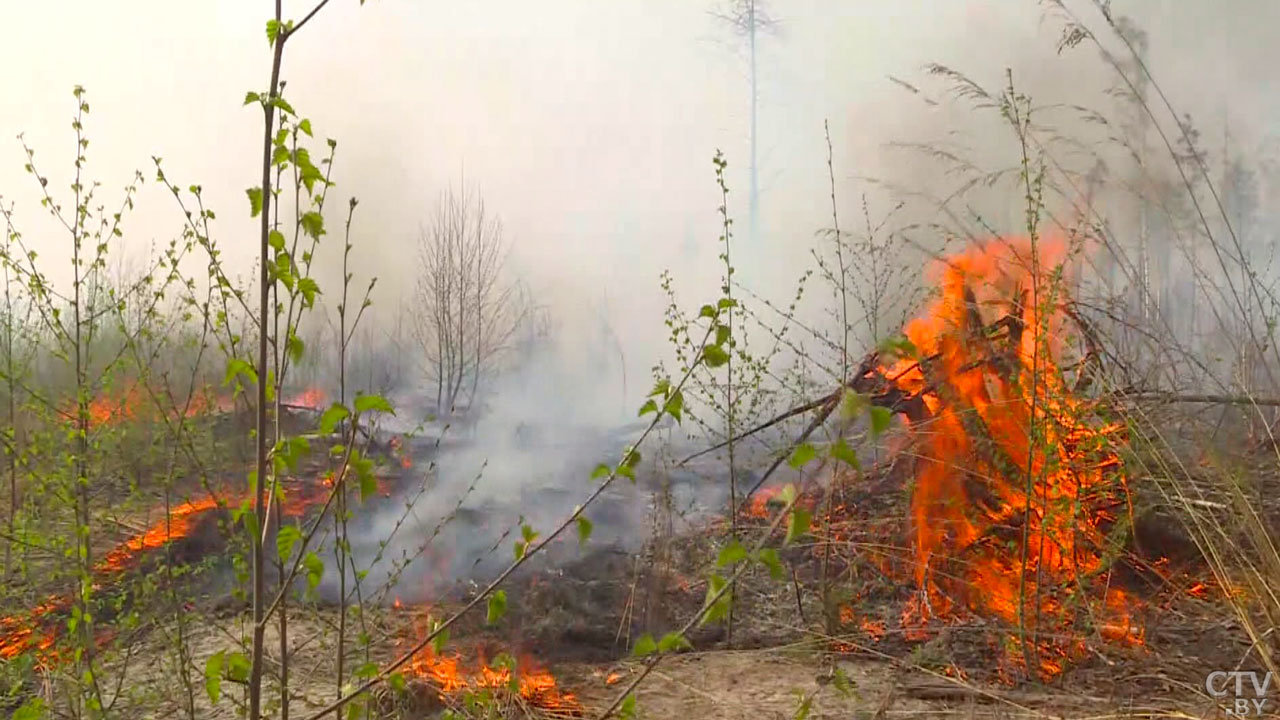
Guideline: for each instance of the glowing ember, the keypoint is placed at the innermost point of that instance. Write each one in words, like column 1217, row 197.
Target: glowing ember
column 759, row 507
column 34, row 631
column 398, row 450
column 450, row 678
column 874, row 628
column 1003, row 526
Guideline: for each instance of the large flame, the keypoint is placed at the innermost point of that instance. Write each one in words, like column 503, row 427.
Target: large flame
column 1017, row 484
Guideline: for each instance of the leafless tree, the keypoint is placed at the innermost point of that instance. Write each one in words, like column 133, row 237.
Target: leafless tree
column 748, row 18
column 467, row 311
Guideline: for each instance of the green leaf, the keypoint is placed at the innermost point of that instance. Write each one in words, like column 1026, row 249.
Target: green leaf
column 661, row 387
column 521, row 547
column 276, row 240
column 804, row 708
column 440, row 640
column 309, row 289
column 298, row 447
column 841, row 451
column 315, row 569
column 843, row 684
column 897, row 347
column 310, row 176
column 497, row 606
column 769, row 558
column 707, row 311
column 797, row 524
column 273, row 31
column 851, row 404
column 627, row 711
column 880, row 418
column 295, row 348
column 788, row 494
column 674, row 641
column 584, row 530
column 365, row 478
column 280, row 157
column 368, row 403
column 255, row 200
column 645, row 646
column 722, row 334
column 213, row 677
column 237, row 368
column 238, row 667
column 802, row 456
column 305, row 126
column 731, row 554
column 630, row 459
column 649, row 407
column 336, row 413
column 33, row 709
column 252, row 97
column 396, row 680
column 602, row 470
column 716, row 609
column 714, row 356
column 675, row 405
column 286, row 538
column 313, row 224
column 726, row 303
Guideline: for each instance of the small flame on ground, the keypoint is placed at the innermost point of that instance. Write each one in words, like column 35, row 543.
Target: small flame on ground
column 535, row 686
column 136, row 404
column 39, row 628
column 178, row 525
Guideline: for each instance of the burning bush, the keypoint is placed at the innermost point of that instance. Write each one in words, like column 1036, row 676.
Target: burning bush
column 1018, row 488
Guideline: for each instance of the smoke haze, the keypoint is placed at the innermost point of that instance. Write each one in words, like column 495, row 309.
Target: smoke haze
column 589, row 127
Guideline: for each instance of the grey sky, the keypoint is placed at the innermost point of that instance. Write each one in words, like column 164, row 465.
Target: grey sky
column 589, row 125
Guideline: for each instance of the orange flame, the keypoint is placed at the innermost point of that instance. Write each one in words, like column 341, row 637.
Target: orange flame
column 1003, row 525
column 179, row 524
column 313, row 398
column 536, row 686
column 39, row 628
column 136, row 404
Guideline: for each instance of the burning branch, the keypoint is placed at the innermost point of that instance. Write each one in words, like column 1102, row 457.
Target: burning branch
column 1001, row 512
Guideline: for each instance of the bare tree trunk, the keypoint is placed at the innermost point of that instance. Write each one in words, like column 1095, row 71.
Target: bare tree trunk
column 260, row 473
column 11, row 448
column 755, row 184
